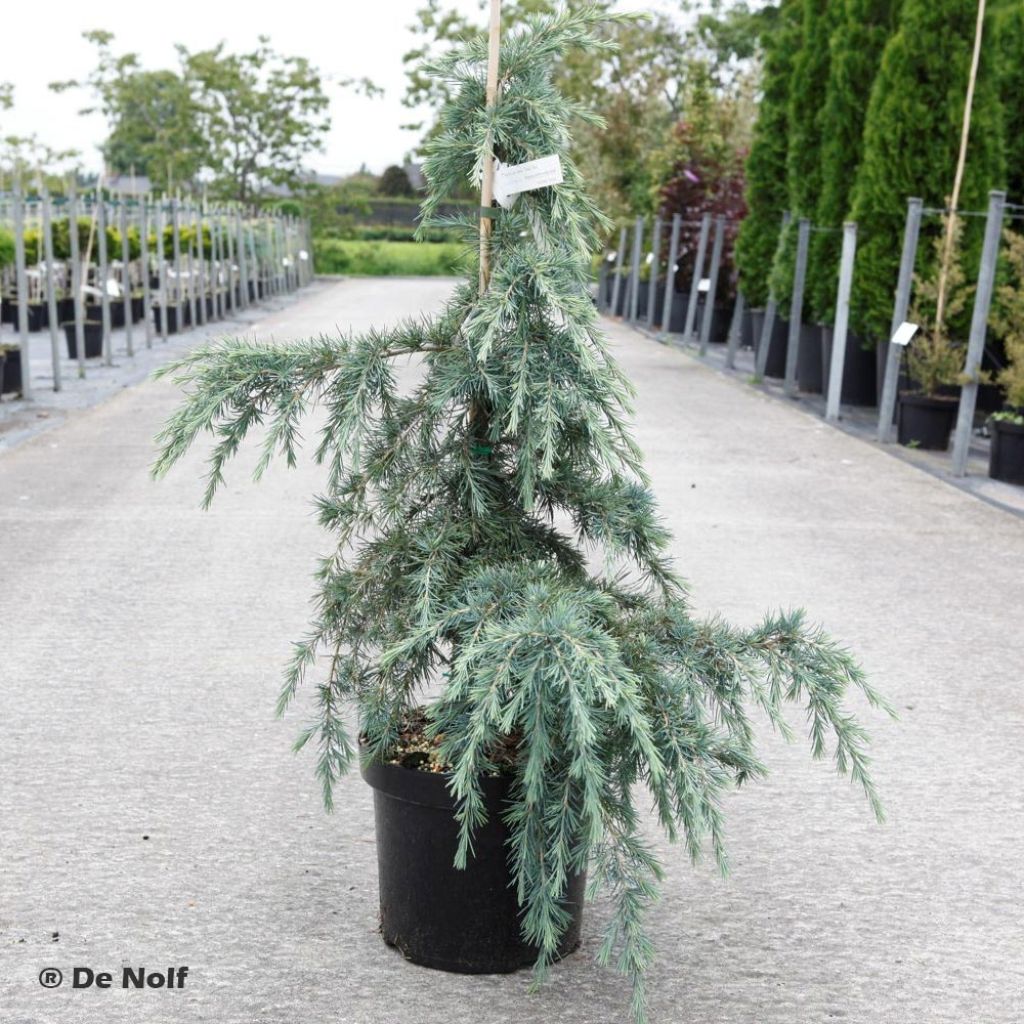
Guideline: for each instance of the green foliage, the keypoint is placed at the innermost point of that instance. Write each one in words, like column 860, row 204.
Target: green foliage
column 260, row 114
column 767, row 194
column 936, row 357
column 1008, row 40
column 395, row 182
column 855, row 52
column 384, row 258
column 6, row 248
column 911, row 141
column 1008, row 321
column 499, row 554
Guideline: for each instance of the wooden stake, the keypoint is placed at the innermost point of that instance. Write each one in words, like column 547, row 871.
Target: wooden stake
column 487, row 186
column 947, row 243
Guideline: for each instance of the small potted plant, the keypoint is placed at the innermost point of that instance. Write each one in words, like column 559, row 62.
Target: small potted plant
column 501, row 612
column 1006, row 455
column 935, row 359
column 10, row 370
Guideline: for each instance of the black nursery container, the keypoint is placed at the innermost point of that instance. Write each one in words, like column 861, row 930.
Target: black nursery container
column 860, row 371
column 463, row 921
column 775, row 366
column 172, row 319
column 10, row 371
column 92, row 332
column 809, row 365
column 1006, row 456
column 925, row 422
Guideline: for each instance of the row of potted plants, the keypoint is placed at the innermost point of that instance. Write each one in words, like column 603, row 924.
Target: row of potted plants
column 929, row 385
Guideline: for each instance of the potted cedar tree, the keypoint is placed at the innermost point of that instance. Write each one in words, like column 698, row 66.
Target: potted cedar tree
column 513, row 699
column 927, row 410
column 1006, row 456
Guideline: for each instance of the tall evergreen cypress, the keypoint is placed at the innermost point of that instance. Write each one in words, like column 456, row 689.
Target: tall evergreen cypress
column 863, row 29
column 1008, row 31
column 767, row 194
column 911, row 141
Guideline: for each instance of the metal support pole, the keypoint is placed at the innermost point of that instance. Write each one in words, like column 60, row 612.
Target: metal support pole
column 51, row 291
column 887, row 404
column 634, row 273
column 698, row 270
column 126, row 283
column 979, row 325
column 147, row 298
column 101, row 244
column 229, row 252
column 76, row 276
column 257, row 269
column 670, row 273
column 201, row 275
column 161, row 268
column 617, row 283
column 709, row 298
column 735, row 329
column 842, row 325
column 652, row 285
column 796, row 305
column 21, row 283
column 194, row 300
column 768, row 327
column 243, row 270
column 176, row 251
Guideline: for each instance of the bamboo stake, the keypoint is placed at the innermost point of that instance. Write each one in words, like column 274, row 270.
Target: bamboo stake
column 947, row 242
column 487, row 185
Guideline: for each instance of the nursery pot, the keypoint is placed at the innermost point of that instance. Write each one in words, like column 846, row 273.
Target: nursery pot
column 138, row 308
column 38, row 316
column 925, row 421
column 775, row 366
column 92, row 332
column 1006, row 456
column 747, row 336
column 859, row 369
column 464, row 921
column 172, row 318
column 809, row 376
column 10, row 371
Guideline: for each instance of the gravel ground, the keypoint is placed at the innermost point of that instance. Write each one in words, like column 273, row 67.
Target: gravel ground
column 152, row 814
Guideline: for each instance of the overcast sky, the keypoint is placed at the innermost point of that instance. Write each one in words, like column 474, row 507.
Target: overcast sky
column 42, row 41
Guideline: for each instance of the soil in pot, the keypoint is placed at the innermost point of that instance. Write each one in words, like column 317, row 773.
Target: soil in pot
column 92, row 331
column 464, row 921
column 1006, row 456
column 10, row 371
column 926, row 422
column 809, row 375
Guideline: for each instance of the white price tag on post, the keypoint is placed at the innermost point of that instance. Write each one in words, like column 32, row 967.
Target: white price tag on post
column 511, row 179
column 905, row 332
column 704, row 285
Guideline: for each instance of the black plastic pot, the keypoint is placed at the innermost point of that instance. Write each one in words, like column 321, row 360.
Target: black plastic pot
column 138, row 308
column 924, row 421
column 809, row 373
column 172, row 318
column 859, row 368
column 10, row 371
column 9, row 310
column 1006, row 456
column 92, row 332
column 776, row 363
column 720, row 315
column 747, row 338
column 468, row 921
column 38, row 316
column 65, row 309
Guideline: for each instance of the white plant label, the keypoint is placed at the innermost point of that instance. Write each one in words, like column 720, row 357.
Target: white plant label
column 705, row 284
column 905, row 332
column 612, row 257
column 511, row 179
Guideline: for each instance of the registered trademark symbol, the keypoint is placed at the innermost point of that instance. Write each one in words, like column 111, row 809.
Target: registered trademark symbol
column 50, row 977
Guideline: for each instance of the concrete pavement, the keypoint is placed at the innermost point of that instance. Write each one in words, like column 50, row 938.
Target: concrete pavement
column 152, row 814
